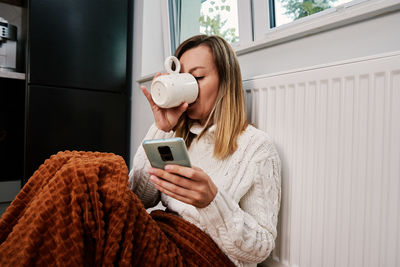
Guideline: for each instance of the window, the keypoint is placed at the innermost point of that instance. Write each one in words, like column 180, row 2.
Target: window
column 285, row 11
column 191, row 17
column 264, row 23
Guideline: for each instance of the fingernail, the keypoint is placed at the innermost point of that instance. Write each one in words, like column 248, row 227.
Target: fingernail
column 153, row 178
column 168, row 167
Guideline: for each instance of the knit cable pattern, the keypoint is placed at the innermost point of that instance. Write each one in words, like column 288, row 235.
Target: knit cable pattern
column 242, row 218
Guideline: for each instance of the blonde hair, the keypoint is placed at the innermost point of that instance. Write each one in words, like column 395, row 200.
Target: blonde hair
column 228, row 113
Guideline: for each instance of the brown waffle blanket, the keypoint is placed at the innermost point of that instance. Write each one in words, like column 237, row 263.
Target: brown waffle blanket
column 77, row 210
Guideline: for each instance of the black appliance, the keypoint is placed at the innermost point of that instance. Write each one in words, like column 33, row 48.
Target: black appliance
column 78, row 88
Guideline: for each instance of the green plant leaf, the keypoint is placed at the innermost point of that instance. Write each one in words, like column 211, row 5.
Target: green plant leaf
column 307, row 6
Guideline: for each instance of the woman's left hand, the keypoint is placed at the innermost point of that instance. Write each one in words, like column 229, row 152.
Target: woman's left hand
column 190, row 185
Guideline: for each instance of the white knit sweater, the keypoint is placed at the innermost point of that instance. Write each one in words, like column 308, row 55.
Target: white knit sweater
column 243, row 216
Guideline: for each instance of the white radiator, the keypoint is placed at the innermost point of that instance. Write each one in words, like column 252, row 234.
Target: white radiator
column 337, row 129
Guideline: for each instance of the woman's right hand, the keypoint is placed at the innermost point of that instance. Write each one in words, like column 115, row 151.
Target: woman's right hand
column 165, row 118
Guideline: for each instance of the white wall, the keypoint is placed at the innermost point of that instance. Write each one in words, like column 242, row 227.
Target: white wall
column 374, row 36
column 148, row 57
column 369, row 37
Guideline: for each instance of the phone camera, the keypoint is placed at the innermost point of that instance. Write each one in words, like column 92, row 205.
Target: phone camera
column 165, row 153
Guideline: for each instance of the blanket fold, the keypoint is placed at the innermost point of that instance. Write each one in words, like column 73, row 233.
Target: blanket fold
column 77, row 210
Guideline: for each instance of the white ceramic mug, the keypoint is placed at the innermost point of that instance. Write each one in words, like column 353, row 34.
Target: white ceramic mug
column 172, row 90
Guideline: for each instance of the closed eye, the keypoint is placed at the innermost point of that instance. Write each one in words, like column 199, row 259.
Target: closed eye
column 198, row 78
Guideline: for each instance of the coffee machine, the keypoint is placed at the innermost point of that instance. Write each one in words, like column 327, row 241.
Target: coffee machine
column 8, row 46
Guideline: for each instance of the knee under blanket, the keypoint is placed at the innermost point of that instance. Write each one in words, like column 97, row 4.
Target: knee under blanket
column 77, row 210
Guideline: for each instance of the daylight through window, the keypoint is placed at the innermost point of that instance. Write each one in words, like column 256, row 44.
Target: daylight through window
column 220, row 17
column 192, row 17
column 286, row 11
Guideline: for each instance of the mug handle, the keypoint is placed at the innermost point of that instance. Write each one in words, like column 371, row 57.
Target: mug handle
column 168, row 64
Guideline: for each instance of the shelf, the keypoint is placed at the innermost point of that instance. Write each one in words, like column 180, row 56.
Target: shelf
column 12, row 75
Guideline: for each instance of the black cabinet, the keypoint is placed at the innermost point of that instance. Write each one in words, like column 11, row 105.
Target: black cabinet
column 12, row 114
column 78, row 88
column 68, row 119
column 79, row 44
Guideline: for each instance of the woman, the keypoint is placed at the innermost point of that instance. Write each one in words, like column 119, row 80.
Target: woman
column 77, row 208
column 233, row 193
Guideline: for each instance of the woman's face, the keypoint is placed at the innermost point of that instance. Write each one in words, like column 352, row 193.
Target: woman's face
column 199, row 62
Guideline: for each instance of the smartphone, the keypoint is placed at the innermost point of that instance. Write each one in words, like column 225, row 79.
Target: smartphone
column 161, row 152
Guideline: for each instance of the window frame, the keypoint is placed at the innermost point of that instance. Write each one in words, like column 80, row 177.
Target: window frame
column 347, row 13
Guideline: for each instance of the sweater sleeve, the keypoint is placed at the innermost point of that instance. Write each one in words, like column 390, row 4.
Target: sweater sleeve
column 247, row 231
column 138, row 176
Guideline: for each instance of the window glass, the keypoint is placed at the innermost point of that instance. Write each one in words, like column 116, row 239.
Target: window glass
column 192, row 17
column 220, row 17
column 285, row 11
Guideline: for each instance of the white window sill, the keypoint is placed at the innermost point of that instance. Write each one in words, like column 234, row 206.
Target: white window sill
column 146, row 78
column 325, row 20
